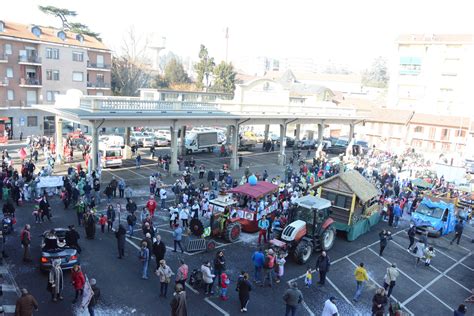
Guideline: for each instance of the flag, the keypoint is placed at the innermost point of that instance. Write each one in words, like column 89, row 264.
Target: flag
column 88, row 293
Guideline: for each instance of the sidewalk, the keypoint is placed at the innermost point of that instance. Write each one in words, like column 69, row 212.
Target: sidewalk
column 10, row 289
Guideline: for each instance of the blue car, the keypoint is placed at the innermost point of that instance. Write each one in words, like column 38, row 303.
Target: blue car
column 435, row 217
column 57, row 248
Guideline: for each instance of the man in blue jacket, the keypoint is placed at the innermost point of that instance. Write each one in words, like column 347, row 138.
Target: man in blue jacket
column 263, row 225
column 258, row 261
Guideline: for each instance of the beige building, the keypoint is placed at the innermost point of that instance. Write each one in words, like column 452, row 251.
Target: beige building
column 37, row 63
column 433, row 74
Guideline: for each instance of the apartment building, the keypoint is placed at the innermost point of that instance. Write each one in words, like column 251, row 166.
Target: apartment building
column 433, row 73
column 429, row 133
column 37, row 63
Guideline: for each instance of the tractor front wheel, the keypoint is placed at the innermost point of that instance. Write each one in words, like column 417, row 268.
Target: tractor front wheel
column 328, row 238
column 232, row 232
column 303, row 252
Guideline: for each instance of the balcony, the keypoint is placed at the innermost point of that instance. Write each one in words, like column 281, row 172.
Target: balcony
column 30, row 83
column 98, row 67
column 3, row 58
column 98, row 85
column 29, row 60
column 4, row 82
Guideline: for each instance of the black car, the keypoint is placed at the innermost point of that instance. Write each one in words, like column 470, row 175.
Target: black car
column 56, row 248
column 290, row 141
column 339, row 147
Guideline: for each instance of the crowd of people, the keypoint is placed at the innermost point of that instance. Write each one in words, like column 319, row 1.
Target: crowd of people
column 96, row 205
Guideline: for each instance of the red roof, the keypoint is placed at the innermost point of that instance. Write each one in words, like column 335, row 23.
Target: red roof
column 257, row 191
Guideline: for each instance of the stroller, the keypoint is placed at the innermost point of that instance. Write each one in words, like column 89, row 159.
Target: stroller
column 195, row 279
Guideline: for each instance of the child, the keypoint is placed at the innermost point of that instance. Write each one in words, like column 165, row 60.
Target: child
column 224, row 283
column 281, row 267
column 102, row 222
column 308, row 279
column 37, row 214
column 429, row 253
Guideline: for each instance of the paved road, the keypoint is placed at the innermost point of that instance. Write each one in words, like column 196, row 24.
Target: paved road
column 440, row 287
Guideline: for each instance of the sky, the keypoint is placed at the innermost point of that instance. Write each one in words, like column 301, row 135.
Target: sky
column 343, row 31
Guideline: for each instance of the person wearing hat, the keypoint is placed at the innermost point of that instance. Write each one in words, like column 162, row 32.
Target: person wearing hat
column 25, row 304
column 95, row 296
column 293, row 298
column 330, row 308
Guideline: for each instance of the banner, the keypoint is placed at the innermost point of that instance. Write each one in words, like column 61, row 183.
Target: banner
column 87, row 295
column 50, row 181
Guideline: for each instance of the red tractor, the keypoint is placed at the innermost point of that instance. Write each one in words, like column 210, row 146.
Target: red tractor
column 310, row 229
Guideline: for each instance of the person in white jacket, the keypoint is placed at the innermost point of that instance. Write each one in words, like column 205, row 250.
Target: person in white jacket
column 390, row 278
column 207, row 277
column 184, row 215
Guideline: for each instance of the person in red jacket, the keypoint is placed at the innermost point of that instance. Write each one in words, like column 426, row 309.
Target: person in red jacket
column 151, row 206
column 78, row 281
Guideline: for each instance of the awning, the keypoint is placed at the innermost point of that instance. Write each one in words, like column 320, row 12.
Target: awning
column 257, row 191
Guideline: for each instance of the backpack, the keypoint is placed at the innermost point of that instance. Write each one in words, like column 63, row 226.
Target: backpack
column 269, row 262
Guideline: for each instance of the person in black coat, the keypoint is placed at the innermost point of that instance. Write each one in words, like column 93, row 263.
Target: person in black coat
column 72, row 238
column 45, row 208
column 244, row 287
column 110, row 217
column 120, row 235
column 322, row 265
column 159, row 250
column 384, row 236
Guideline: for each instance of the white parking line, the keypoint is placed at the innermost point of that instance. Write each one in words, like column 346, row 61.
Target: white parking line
column 191, row 288
column 340, row 293
column 375, row 282
column 345, row 257
column 423, row 288
column 223, row 312
column 310, row 312
column 436, row 269
column 462, row 247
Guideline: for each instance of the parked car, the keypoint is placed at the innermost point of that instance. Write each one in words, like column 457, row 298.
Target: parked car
column 52, row 249
column 290, row 141
column 307, row 144
column 339, row 147
column 362, row 146
column 134, row 141
column 161, row 141
column 148, row 141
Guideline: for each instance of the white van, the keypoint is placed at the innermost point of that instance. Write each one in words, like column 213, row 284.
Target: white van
column 112, row 140
column 110, row 156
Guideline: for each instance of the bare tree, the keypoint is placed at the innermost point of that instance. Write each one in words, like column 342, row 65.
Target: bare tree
column 131, row 69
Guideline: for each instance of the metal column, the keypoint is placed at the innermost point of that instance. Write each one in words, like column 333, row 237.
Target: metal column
column 59, row 137
column 267, row 131
column 282, row 155
column 127, row 148
column 174, row 150
column 234, row 162
column 320, row 132
column 182, row 146
column 351, row 132
column 298, row 132
column 94, row 163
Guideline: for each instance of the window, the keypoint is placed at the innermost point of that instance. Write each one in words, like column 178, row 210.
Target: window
column 52, row 53
column 62, row 35
column 80, row 38
column 52, row 75
column 51, row 95
column 8, row 49
column 77, row 76
column 340, row 201
column 460, row 133
column 2, row 26
column 10, row 95
column 100, row 61
column 77, row 56
column 100, row 78
column 432, row 132
column 419, row 129
column 444, row 134
column 31, row 121
column 36, row 31
column 101, row 94
column 9, row 72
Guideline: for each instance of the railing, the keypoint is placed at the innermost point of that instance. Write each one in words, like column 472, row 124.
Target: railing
column 30, row 82
column 98, row 66
column 143, row 105
column 98, row 84
column 29, row 59
column 3, row 57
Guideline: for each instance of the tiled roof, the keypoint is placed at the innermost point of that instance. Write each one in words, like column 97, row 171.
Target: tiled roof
column 436, row 38
column 390, row 116
column 441, row 120
column 49, row 35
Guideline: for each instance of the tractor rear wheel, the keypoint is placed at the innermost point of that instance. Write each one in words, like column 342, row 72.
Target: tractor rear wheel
column 232, row 232
column 328, row 238
column 196, row 227
column 303, row 251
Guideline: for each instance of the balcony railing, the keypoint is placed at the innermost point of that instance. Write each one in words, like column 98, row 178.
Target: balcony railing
column 29, row 59
column 98, row 85
column 30, row 82
column 98, row 66
column 3, row 58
